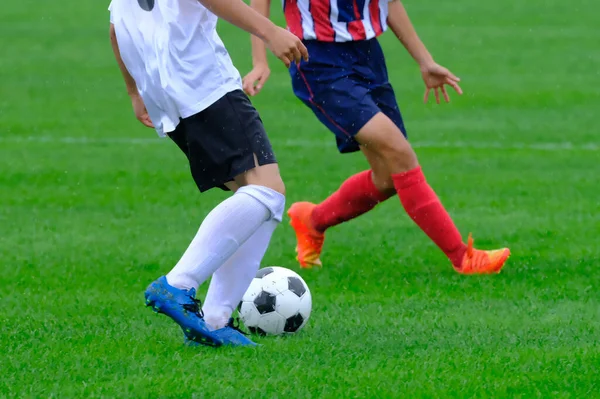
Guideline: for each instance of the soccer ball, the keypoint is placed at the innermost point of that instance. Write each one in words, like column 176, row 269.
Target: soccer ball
column 277, row 302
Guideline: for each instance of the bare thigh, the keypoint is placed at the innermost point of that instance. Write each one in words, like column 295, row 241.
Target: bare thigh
column 262, row 175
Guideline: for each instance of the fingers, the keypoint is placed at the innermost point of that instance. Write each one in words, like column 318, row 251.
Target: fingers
column 444, row 91
column 145, row 119
column 440, row 70
column 450, row 75
column 454, row 85
column 248, row 85
column 250, row 90
column 288, row 48
column 256, row 87
column 140, row 111
column 284, row 58
column 445, row 94
column 255, row 80
column 296, row 55
column 262, row 79
column 148, row 122
column 303, row 50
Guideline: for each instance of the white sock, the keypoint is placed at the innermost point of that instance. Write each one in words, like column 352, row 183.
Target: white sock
column 230, row 282
column 222, row 232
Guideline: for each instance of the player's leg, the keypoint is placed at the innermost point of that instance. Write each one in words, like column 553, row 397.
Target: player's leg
column 178, row 303
column 356, row 196
column 240, row 152
column 227, row 227
column 222, row 232
column 345, row 113
column 361, row 192
column 356, row 112
column 266, row 175
column 338, row 105
column 384, row 140
column 230, row 281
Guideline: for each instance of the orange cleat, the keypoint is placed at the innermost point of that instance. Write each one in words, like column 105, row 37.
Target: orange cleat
column 477, row 261
column 309, row 241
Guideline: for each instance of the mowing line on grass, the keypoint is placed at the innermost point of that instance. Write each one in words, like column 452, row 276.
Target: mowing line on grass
column 548, row 146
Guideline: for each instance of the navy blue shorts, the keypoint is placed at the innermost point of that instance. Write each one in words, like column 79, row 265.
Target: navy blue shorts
column 345, row 85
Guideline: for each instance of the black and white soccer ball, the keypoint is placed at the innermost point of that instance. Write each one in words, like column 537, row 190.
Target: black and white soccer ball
column 277, row 302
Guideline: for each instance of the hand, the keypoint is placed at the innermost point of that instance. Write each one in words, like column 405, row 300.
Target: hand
column 140, row 110
column 256, row 79
column 286, row 46
column 436, row 77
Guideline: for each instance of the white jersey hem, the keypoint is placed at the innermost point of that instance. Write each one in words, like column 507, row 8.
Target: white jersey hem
column 196, row 108
column 209, row 100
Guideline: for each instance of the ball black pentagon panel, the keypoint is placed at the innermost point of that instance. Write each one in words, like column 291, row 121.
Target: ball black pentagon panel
column 263, row 272
column 257, row 330
column 296, row 286
column 292, row 324
column 265, row 302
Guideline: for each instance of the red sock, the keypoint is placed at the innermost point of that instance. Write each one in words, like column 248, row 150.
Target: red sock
column 423, row 206
column 356, row 196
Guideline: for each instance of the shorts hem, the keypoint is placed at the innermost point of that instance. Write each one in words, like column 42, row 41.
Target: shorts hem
column 234, row 173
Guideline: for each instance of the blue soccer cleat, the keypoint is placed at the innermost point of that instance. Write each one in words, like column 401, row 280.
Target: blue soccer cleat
column 230, row 335
column 183, row 307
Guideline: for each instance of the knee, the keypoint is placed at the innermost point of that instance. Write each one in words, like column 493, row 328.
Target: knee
column 387, row 143
column 398, row 156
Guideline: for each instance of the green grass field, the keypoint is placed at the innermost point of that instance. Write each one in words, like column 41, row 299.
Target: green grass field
column 93, row 207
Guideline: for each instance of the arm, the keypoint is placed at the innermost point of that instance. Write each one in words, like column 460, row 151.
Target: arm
column 259, row 51
column 129, row 82
column 256, row 79
column 241, row 15
column 282, row 43
column 136, row 100
column 435, row 76
column 400, row 24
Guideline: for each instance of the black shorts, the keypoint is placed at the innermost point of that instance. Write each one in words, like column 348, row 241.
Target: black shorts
column 221, row 141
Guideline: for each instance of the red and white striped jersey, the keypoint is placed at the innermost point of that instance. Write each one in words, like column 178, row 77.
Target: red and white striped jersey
column 336, row 20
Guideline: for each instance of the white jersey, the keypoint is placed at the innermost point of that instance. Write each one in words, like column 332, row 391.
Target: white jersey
column 172, row 50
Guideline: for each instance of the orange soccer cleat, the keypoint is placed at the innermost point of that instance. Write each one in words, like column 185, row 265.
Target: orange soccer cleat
column 477, row 261
column 309, row 241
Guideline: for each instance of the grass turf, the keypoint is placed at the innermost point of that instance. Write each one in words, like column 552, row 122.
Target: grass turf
column 92, row 209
